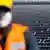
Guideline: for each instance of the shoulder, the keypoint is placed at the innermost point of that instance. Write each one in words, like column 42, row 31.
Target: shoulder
column 20, row 26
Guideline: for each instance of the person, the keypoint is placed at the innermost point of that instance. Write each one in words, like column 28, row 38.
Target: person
column 12, row 34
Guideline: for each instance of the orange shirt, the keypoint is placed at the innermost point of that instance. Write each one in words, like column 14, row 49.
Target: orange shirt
column 15, row 39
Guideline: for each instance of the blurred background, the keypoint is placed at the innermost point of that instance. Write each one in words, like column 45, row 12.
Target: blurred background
column 36, row 14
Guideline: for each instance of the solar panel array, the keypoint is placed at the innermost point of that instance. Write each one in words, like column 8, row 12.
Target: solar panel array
column 43, row 37
column 40, row 22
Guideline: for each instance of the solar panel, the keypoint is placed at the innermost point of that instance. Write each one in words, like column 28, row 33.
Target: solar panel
column 43, row 37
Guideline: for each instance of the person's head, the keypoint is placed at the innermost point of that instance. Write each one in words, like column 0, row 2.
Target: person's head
column 5, row 14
